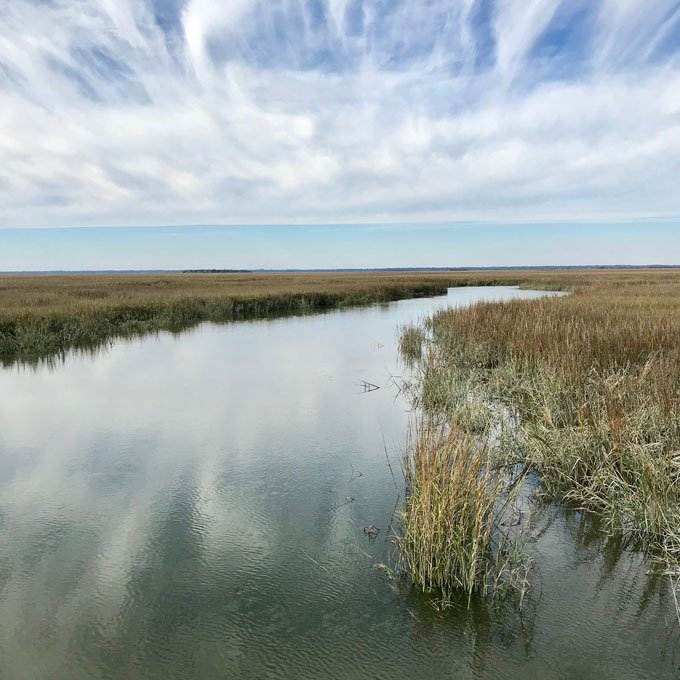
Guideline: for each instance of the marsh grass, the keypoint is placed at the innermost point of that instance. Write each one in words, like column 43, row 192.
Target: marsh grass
column 452, row 539
column 592, row 383
column 411, row 340
column 448, row 516
column 42, row 316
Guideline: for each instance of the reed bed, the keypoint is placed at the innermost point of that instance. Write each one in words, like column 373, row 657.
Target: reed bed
column 592, row 385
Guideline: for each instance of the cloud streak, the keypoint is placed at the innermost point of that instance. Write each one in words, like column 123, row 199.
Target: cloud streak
column 170, row 112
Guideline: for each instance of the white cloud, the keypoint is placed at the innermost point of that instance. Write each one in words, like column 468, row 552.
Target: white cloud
column 261, row 112
column 632, row 30
column 517, row 26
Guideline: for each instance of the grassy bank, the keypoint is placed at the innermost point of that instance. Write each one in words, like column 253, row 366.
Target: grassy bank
column 45, row 315
column 592, row 382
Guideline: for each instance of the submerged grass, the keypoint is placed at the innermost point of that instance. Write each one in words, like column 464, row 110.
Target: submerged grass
column 592, row 384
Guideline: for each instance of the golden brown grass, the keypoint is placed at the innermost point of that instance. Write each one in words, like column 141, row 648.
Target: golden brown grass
column 593, row 379
column 450, row 511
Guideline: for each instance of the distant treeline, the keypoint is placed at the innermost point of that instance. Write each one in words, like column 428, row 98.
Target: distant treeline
column 217, row 271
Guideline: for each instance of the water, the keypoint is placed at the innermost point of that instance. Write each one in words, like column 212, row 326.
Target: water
column 178, row 507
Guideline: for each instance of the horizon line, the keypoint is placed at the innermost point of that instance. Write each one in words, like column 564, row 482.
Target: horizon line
column 204, row 270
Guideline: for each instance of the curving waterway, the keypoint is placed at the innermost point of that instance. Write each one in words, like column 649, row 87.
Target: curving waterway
column 193, row 506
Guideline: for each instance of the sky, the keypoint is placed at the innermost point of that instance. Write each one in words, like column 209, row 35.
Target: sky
column 360, row 246
column 498, row 113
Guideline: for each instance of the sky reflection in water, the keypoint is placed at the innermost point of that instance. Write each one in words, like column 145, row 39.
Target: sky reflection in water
column 176, row 507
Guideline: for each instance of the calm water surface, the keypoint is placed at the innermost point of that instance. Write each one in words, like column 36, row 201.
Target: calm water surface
column 179, row 507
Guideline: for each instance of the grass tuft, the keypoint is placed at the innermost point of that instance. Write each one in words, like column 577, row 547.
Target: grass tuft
column 452, row 538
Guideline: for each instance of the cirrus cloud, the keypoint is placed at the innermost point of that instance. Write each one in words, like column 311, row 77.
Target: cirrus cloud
column 172, row 111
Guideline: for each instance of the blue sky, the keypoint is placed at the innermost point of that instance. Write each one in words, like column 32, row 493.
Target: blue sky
column 338, row 246
column 500, row 113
